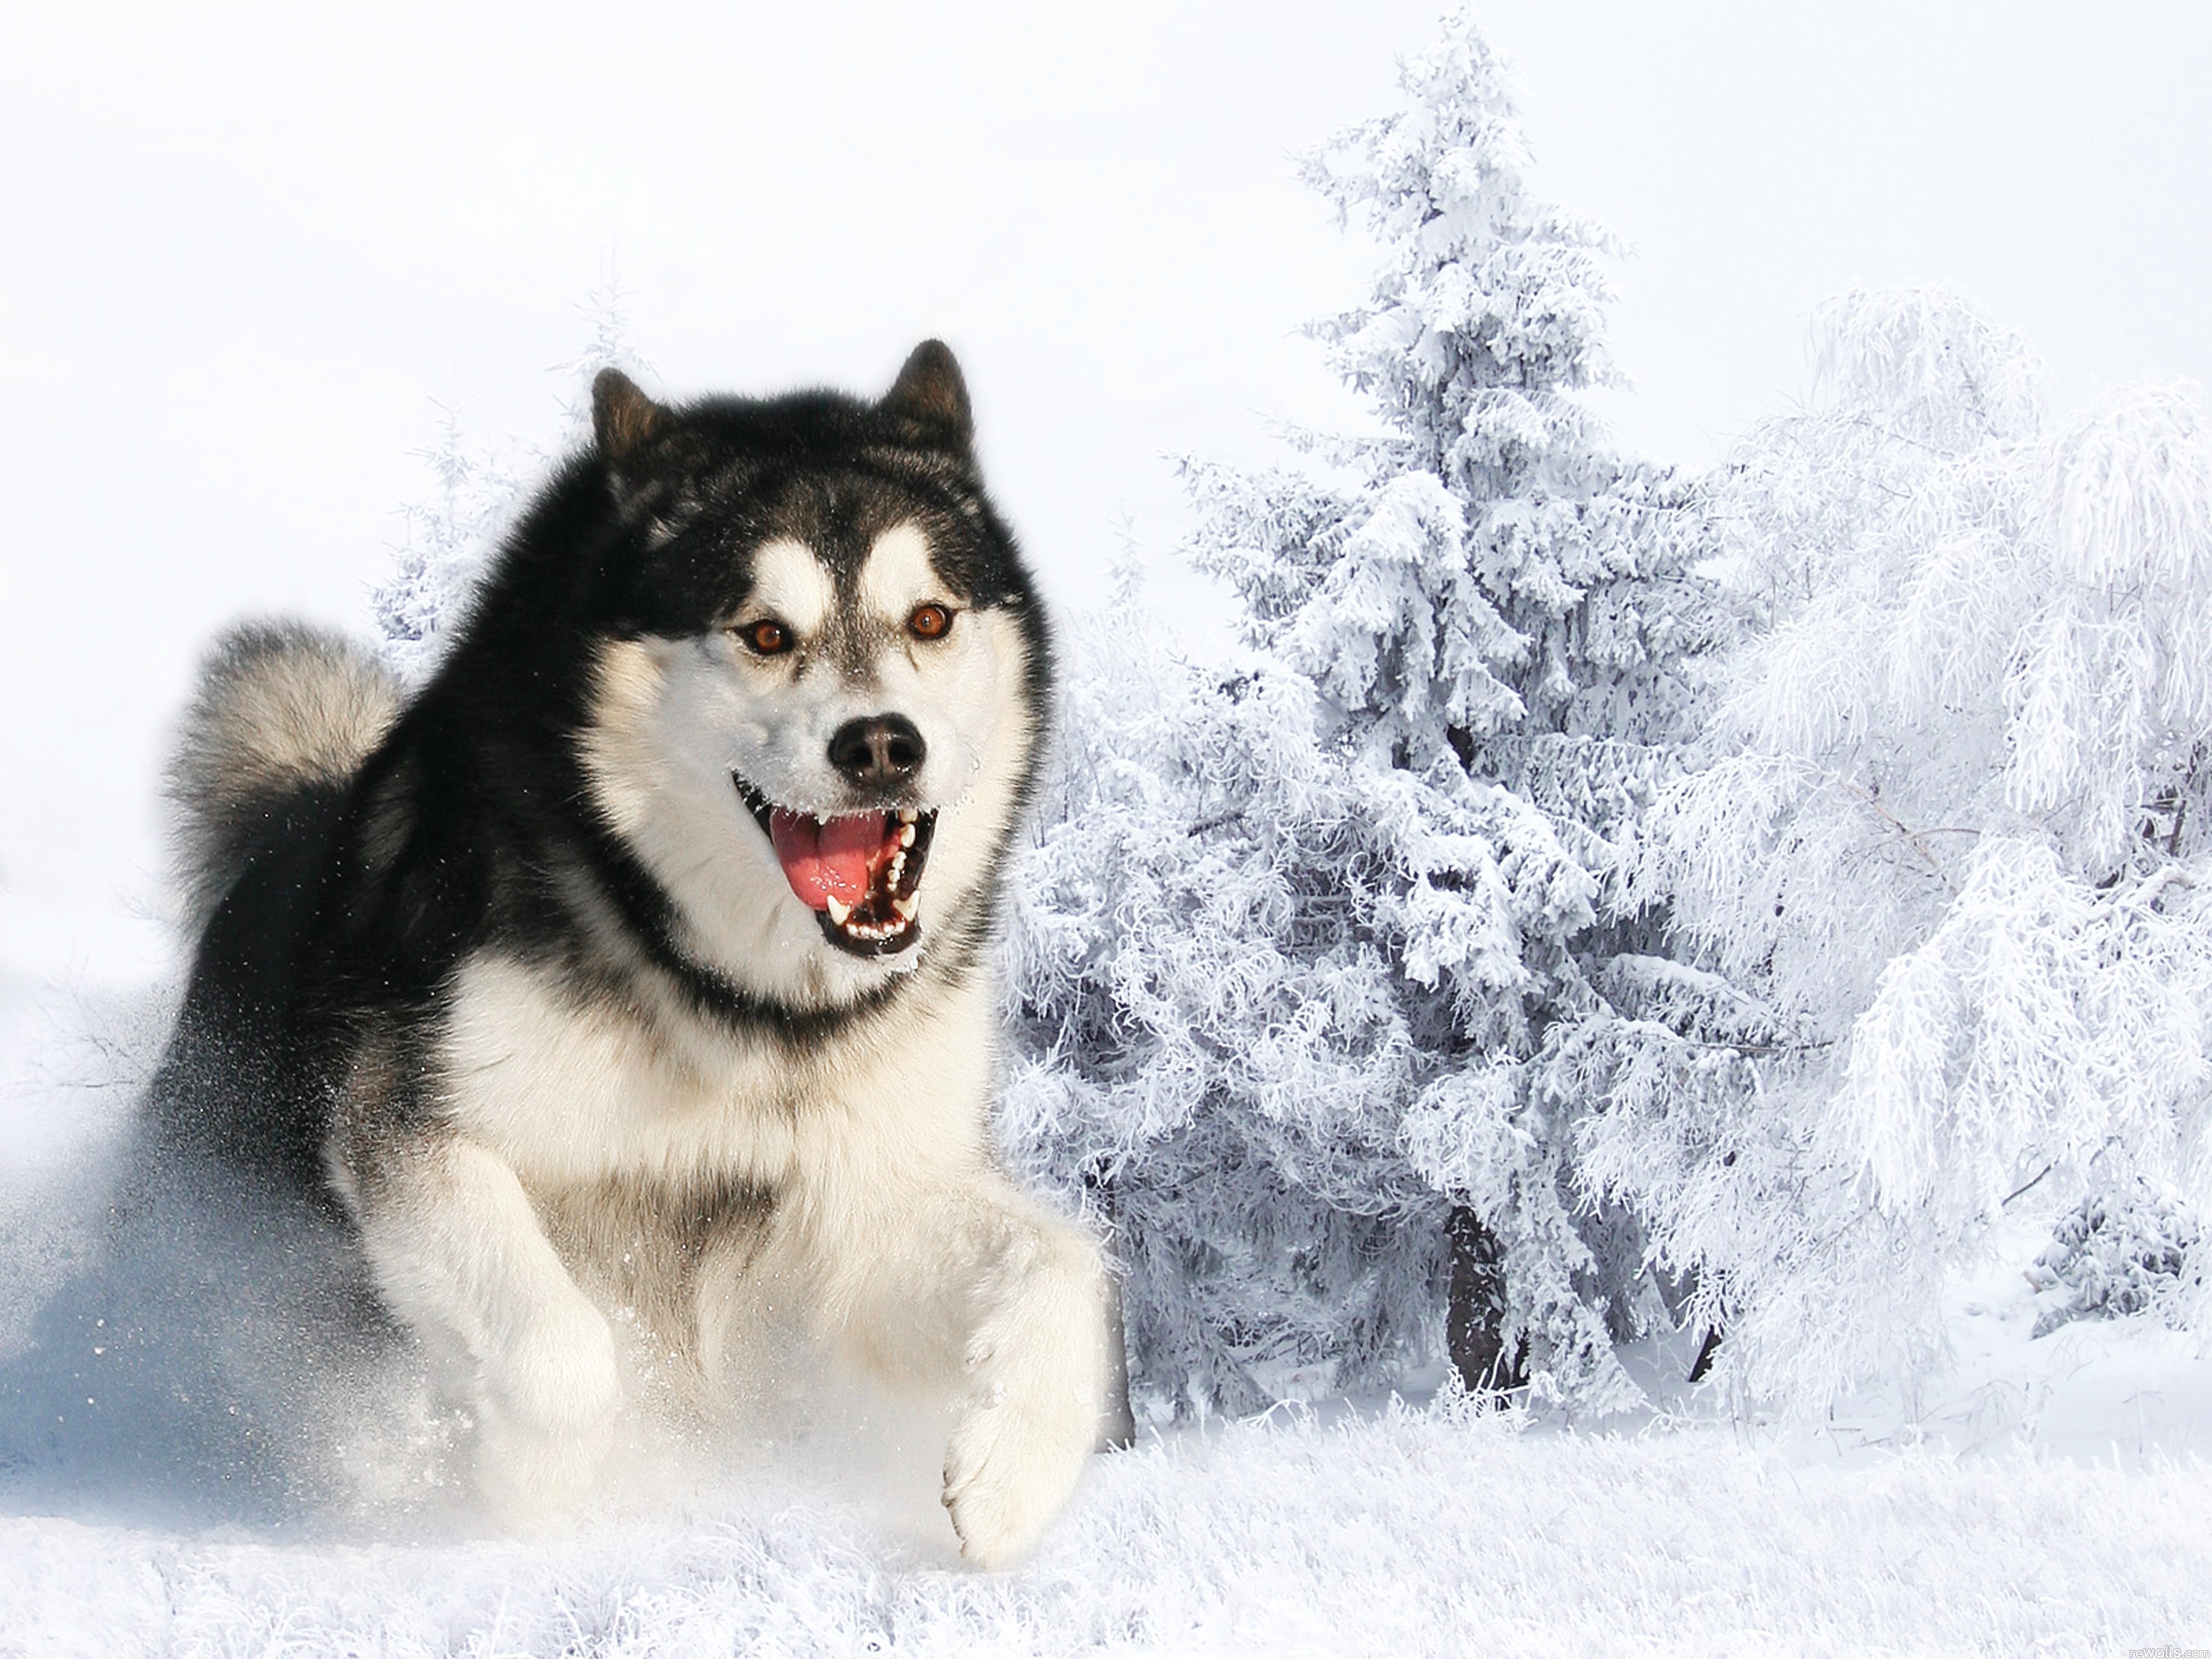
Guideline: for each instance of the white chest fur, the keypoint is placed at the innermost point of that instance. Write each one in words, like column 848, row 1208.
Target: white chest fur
column 570, row 1090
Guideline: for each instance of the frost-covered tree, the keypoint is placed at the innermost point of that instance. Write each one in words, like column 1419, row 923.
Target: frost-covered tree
column 447, row 538
column 2129, row 1248
column 1944, row 869
column 1302, row 947
column 478, row 487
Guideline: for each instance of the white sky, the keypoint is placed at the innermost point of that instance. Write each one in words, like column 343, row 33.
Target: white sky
column 245, row 250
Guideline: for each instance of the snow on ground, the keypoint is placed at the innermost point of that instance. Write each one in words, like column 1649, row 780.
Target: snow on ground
column 2053, row 1497
column 1405, row 1534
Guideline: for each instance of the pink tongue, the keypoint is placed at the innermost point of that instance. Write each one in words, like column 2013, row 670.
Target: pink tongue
column 823, row 861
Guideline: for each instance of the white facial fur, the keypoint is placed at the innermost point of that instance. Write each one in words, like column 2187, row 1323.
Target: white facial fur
column 898, row 575
column 675, row 717
column 790, row 583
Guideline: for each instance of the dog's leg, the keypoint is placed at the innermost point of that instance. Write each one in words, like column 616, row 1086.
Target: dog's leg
column 1035, row 1363
column 966, row 1278
column 459, row 1255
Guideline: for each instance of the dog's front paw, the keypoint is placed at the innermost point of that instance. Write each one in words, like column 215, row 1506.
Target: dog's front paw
column 546, row 1416
column 1008, row 1468
column 1036, row 1370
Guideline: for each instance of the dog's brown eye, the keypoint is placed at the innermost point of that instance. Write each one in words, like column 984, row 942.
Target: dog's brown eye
column 929, row 622
column 769, row 637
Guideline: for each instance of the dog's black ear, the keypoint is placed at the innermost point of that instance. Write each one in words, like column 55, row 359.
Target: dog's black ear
column 623, row 419
column 930, row 394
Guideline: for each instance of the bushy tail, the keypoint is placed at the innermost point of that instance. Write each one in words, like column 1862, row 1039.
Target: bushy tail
column 281, row 708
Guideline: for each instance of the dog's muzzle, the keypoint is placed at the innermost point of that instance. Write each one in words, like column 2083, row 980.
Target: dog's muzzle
column 859, row 872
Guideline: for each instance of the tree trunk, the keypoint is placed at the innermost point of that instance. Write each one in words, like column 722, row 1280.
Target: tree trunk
column 1475, row 1316
column 1117, row 1426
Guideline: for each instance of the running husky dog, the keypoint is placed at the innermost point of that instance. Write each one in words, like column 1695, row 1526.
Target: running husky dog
column 640, row 961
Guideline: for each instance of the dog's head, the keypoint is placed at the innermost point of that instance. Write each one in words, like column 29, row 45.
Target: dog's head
column 816, row 716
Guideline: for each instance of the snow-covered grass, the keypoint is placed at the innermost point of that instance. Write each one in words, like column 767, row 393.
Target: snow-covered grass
column 1402, row 1535
column 2053, row 1499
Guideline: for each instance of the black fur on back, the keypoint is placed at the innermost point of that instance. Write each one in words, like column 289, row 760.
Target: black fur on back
column 471, row 822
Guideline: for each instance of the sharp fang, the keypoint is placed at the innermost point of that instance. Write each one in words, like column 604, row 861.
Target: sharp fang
column 906, row 834
column 906, row 906
column 838, row 912
column 908, row 815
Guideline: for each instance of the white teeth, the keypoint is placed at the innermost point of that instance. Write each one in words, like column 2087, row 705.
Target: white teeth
column 908, row 815
column 838, row 912
column 898, row 867
column 906, row 834
column 906, row 906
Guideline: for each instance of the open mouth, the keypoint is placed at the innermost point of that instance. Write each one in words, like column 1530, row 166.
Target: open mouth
column 858, row 872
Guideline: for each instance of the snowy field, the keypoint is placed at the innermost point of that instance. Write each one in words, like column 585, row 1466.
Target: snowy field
column 2056, row 1499
column 1396, row 1534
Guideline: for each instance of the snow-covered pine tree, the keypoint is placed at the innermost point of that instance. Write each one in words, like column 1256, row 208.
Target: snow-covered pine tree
column 480, row 486
column 1945, row 860
column 448, row 537
column 1304, row 949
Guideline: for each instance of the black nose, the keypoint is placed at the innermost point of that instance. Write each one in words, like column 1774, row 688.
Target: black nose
column 883, row 748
